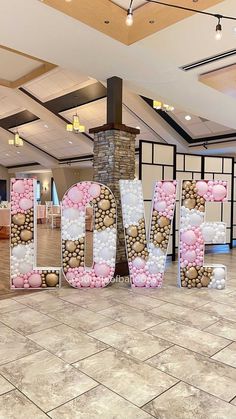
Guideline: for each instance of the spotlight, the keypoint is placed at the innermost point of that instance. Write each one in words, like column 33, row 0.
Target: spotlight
column 129, row 18
column 218, row 34
column 188, row 118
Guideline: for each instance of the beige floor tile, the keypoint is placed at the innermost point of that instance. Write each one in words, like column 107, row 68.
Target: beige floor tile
column 220, row 310
column 189, row 337
column 185, row 315
column 9, row 305
column 135, row 343
column 99, row 403
column 139, row 319
column 15, row 405
column 136, row 382
column 223, row 328
column 192, row 300
column 67, row 343
column 140, row 301
column 100, row 304
column 186, row 402
column 43, row 302
column 5, row 386
column 197, row 370
column 81, row 319
column 227, row 355
column 14, row 346
column 27, row 321
column 47, row 380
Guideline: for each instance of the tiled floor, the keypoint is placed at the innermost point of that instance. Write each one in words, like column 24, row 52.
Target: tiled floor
column 119, row 353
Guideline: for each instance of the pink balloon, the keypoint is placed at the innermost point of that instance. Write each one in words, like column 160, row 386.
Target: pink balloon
column 168, row 188
column 101, row 269
column 160, row 206
column 25, row 204
column 85, row 281
column 75, row 195
column 189, row 237
column 19, row 186
column 219, row 192
column 140, row 280
column 18, row 282
column 202, row 187
column 94, row 190
column 35, row 281
column 190, row 256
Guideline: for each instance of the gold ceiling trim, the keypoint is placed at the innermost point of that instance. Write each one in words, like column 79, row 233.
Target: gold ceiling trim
column 95, row 13
column 43, row 68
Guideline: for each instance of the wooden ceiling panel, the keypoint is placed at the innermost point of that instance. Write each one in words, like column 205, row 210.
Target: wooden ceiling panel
column 223, row 80
column 109, row 18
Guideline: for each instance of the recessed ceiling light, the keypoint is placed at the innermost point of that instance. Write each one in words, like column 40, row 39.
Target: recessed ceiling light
column 70, row 142
column 45, row 126
column 18, row 152
column 138, row 128
column 188, row 118
column 7, row 155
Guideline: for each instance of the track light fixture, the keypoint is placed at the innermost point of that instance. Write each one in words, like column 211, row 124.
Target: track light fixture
column 129, row 18
column 205, row 145
column 218, row 35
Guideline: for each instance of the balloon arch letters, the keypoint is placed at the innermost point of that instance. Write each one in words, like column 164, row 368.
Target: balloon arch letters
column 146, row 254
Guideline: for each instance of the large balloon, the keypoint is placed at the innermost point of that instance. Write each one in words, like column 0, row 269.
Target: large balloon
column 189, row 237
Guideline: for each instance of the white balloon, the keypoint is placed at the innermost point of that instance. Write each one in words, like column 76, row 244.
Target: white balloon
column 131, row 199
column 139, row 263
column 208, row 233
column 156, row 251
column 155, row 268
column 71, row 213
column 195, row 219
column 75, row 230
column 25, row 267
column 19, row 251
column 106, row 253
column 219, row 273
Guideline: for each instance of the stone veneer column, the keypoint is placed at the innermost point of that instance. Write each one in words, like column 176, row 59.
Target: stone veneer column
column 114, row 159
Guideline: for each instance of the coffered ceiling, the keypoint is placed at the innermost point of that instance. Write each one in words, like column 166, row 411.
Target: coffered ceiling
column 82, row 55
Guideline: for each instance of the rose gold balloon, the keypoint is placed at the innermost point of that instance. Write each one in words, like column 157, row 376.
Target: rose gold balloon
column 205, row 280
column 52, row 280
column 104, row 204
column 163, row 222
column 73, row 262
column 192, row 273
column 190, row 203
column 132, row 231
column 138, row 247
column 70, row 246
column 108, row 221
column 18, row 219
column 26, row 235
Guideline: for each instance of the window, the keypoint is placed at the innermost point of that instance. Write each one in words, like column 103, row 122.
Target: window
column 55, row 199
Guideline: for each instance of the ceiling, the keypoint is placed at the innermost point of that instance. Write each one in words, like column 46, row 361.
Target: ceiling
column 78, row 56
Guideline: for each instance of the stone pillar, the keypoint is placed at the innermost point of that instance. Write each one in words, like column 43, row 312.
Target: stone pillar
column 114, row 159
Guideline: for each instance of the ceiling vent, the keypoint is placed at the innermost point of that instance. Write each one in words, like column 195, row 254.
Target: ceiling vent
column 208, row 60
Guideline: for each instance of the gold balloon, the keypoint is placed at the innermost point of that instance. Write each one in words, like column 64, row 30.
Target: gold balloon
column 104, row 204
column 138, row 247
column 26, row 235
column 18, row 219
column 158, row 237
column 132, row 231
column 192, row 273
column 190, row 203
column 73, row 262
column 163, row 222
column 108, row 221
column 52, row 280
column 70, row 246
column 205, row 280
